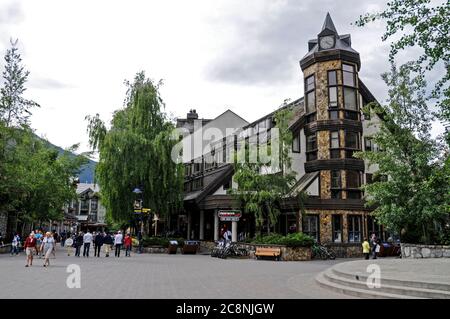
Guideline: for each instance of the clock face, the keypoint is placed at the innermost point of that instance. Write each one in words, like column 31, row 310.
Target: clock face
column 327, row 42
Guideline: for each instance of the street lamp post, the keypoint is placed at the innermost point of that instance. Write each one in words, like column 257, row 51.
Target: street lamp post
column 138, row 205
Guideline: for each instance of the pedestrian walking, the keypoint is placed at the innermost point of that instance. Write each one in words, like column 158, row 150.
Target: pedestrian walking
column 108, row 242
column 30, row 247
column 69, row 243
column 63, row 238
column 78, row 244
column 15, row 245
column 118, row 239
column 48, row 243
column 98, row 242
column 373, row 245
column 87, row 240
column 128, row 244
column 38, row 235
column 366, row 248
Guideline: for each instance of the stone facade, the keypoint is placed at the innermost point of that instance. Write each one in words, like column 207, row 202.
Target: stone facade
column 153, row 250
column 425, row 251
column 325, row 184
column 323, row 145
column 348, row 250
column 321, row 76
column 326, row 224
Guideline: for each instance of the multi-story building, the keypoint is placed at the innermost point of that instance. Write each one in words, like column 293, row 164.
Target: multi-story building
column 328, row 128
column 87, row 209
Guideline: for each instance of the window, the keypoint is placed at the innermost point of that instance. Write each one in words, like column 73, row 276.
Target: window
column 332, row 78
column 94, row 204
column 353, row 179
column 351, row 115
column 353, row 194
column 334, row 115
column 337, row 228
column 187, row 187
column 354, row 228
column 311, row 147
column 348, row 74
column 335, row 179
column 368, row 144
column 198, row 184
column 334, row 144
column 311, row 226
column 351, row 143
column 350, row 99
column 310, row 94
column 332, row 96
column 296, row 143
column 187, row 170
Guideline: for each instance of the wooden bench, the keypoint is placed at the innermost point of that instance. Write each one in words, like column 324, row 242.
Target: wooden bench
column 268, row 252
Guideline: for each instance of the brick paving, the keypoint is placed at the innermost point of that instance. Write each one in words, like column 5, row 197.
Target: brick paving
column 162, row 276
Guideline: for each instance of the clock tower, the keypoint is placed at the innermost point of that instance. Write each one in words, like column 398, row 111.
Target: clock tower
column 333, row 128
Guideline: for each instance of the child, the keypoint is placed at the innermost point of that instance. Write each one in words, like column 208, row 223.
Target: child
column 366, row 248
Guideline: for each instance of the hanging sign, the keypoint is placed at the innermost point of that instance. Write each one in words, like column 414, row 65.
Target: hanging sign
column 229, row 215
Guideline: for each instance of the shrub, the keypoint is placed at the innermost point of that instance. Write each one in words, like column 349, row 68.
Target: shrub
column 155, row 241
column 291, row 240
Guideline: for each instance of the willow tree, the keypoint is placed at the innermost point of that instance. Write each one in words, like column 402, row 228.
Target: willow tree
column 136, row 152
column 262, row 186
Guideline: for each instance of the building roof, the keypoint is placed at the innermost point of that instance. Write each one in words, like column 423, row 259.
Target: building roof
column 83, row 187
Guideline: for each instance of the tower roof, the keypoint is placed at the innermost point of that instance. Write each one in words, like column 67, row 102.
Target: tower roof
column 328, row 24
column 341, row 50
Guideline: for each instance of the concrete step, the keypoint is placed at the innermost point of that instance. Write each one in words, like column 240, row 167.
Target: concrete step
column 393, row 282
column 398, row 289
column 323, row 282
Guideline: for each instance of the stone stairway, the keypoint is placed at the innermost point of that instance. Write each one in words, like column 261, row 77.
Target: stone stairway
column 354, row 284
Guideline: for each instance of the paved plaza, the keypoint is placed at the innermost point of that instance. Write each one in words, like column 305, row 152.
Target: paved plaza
column 163, row 276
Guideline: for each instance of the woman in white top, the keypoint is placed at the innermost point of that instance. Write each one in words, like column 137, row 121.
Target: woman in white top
column 47, row 244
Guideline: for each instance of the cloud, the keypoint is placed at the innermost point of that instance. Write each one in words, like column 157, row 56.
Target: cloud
column 43, row 83
column 11, row 13
column 267, row 40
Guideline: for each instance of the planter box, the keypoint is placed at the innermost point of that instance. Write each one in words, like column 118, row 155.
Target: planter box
column 345, row 250
column 5, row 249
column 287, row 253
column 153, row 250
column 424, row 251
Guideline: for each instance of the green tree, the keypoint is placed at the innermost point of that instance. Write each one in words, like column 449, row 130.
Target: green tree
column 411, row 192
column 423, row 24
column 136, row 152
column 14, row 108
column 35, row 180
column 261, row 189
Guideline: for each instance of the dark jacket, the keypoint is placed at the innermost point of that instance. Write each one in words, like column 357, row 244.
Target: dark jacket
column 107, row 240
column 99, row 240
column 79, row 240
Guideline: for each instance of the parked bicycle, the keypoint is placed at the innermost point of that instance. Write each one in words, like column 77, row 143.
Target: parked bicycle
column 319, row 251
column 223, row 250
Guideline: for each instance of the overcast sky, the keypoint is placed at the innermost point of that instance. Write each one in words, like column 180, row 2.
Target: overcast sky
column 213, row 55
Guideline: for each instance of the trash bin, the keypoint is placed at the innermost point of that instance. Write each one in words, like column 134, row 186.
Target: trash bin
column 190, row 247
column 173, row 246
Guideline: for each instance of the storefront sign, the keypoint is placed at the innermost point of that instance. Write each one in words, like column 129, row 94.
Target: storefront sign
column 229, row 215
